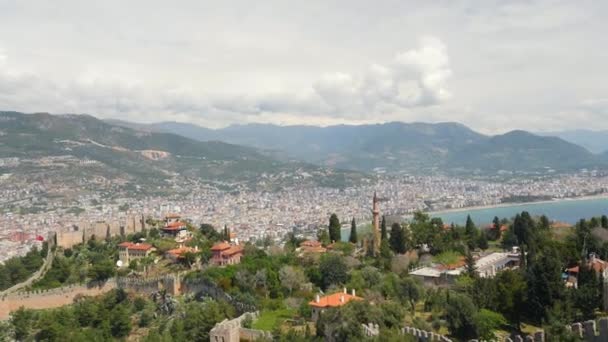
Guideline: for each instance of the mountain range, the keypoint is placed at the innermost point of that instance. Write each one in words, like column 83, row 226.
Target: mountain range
column 594, row 141
column 76, row 147
column 81, row 149
column 400, row 147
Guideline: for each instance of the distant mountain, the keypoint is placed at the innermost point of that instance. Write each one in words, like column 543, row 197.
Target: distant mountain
column 520, row 151
column 81, row 146
column 594, row 141
column 402, row 147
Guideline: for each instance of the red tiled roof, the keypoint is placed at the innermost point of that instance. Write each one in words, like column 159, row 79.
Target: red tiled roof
column 334, row 300
column 179, row 252
column 220, row 246
column 136, row 246
column 310, row 243
column 175, row 226
column 233, row 250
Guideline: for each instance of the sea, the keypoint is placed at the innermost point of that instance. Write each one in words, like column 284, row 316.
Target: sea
column 566, row 210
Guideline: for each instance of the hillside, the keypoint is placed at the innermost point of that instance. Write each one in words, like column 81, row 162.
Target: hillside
column 402, row 147
column 523, row 151
column 594, row 141
column 75, row 147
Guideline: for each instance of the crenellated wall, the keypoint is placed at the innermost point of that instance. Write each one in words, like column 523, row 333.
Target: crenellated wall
column 233, row 331
column 423, row 335
column 54, row 298
column 589, row 332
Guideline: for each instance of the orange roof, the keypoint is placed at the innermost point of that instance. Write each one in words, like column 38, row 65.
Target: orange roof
column 172, row 215
column 334, row 300
column 310, row 243
column 461, row 262
column 233, row 250
column 232, row 236
column 175, row 226
column 136, row 246
column 179, row 252
column 220, row 246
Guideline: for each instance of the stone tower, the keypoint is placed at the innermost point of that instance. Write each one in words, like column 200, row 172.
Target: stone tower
column 376, row 213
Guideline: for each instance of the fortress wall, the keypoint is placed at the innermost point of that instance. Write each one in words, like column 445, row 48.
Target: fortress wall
column 69, row 239
column 51, row 298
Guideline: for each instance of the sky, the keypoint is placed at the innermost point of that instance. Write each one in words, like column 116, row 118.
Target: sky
column 491, row 65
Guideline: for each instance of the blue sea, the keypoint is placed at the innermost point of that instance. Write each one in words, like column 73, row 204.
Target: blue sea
column 569, row 211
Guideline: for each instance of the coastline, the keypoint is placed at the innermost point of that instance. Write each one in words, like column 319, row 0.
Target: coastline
column 506, row 205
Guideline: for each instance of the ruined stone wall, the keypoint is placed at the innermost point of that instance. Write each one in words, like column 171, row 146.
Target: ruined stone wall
column 53, row 298
column 233, row 331
column 69, row 239
column 423, row 335
column 589, row 332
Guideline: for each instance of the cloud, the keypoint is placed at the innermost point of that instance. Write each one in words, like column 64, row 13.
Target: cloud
column 492, row 65
column 414, row 78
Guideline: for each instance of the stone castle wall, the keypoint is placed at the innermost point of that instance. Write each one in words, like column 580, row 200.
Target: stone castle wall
column 85, row 230
column 53, row 298
column 423, row 335
column 232, row 330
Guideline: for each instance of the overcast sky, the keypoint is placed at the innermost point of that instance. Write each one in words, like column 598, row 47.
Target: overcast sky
column 492, row 65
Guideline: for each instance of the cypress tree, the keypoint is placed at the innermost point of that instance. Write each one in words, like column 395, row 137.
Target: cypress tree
column 335, row 233
column 397, row 239
column 471, row 269
column 383, row 229
column 353, row 231
column 604, row 221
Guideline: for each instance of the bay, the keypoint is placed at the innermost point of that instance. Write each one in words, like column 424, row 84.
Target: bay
column 566, row 210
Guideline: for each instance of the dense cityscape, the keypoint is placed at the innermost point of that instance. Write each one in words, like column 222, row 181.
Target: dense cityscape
column 257, row 215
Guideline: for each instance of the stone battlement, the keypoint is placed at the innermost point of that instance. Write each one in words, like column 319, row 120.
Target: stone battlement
column 233, row 331
column 423, row 335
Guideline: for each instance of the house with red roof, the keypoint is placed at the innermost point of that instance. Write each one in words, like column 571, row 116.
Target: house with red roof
column 595, row 263
column 177, row 254
column 311, row 247
column 174, row 226
column 224, row 253
column 129, row 251
column 320, row 304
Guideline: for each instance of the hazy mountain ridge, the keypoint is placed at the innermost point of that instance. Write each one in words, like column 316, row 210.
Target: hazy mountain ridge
column 410, row 147
column 145, row 157
column 594, row 141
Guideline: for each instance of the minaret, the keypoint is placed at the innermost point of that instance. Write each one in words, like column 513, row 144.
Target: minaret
column 376, row 213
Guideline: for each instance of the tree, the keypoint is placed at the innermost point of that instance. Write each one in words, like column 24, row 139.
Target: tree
column 120, row 322
column 411, row 290
column 511, row 291
column 323, row 236
column 470, row 267
column 333, row 270
column 486, row 322
column 291, row 277
column 397, row 239
column 383, row 233
column 335, row 228
column 102, row 271
column 21, row 320
column 226, row 234
column 460, row 316
column 604, row 221
column 483, row 240
column 353, row 231
column 470, row 232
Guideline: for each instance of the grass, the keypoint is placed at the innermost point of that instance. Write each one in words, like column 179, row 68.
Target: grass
column 268, row 320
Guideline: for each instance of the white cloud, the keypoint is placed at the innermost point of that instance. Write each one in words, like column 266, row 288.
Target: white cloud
column 493, row 65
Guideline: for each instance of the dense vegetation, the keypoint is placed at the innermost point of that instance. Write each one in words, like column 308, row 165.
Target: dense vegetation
column 280, row 281
column 18, row 269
